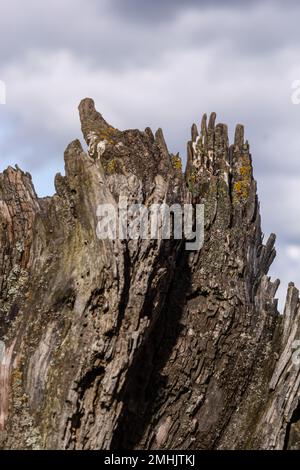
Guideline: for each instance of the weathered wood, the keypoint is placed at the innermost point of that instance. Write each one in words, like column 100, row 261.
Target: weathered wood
column 185, row 349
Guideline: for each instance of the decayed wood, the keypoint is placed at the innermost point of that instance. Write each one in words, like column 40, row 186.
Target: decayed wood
column 185, row 349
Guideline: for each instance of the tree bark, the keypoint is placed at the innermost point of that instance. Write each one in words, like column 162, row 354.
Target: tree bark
column 123, row 344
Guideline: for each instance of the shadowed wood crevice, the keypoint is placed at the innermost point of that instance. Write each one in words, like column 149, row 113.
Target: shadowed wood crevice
column 145, row 383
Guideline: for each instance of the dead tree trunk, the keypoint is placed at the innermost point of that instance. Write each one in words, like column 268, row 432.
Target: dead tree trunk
column 122, row 344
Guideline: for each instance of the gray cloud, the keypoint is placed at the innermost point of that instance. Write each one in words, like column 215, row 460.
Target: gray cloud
column 163, row 10
column 159, row 64
column 119, row 34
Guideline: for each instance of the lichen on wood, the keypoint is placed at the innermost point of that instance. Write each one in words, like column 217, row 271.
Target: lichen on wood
column 187, row 349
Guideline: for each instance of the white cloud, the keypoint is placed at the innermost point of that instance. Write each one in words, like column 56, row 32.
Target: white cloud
column 293, row 252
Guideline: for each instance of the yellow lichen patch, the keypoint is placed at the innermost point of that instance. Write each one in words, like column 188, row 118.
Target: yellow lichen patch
column 16, row 375
column 192, row 178
column 244, row 174
column 176, row 162
column 111, row 166
column 191, row 182
column 108, row 134
column 245, row 170
column 241, row 189
column 16, row 383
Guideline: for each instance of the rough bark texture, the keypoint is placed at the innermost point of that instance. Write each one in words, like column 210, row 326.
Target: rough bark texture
column 141, row 343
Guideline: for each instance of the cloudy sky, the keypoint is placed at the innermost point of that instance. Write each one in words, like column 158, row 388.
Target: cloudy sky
column 158, row 63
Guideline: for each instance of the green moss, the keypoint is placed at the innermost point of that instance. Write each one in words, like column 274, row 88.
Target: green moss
column 23, row 422
column 15, row 282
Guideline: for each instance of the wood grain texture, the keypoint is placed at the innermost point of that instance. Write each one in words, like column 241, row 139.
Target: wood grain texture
column 111, row 344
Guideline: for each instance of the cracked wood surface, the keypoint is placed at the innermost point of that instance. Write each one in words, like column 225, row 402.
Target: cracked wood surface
column 110, row 344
